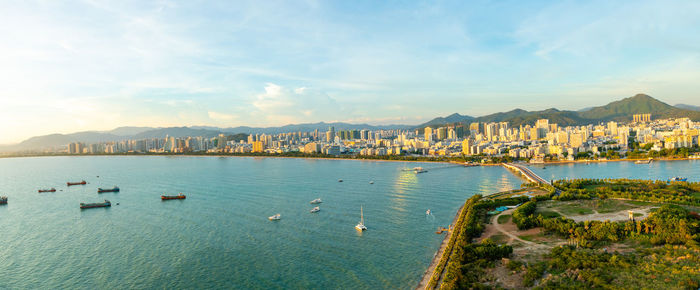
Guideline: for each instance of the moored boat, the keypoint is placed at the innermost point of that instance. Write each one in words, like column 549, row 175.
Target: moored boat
column 94, row 205
column 168, row 197
column 101, row 190
column 275, row 217
column 3, row 199
column 361, row 225
column 646, row 161
column 315, row 201
column 48, row 190
column 678, row 178
column 76, row 183
column 315, row 209
column 419, row 170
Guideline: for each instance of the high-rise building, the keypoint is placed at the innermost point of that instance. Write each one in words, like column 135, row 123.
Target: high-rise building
column 474, row 128
column 466, row 147
column 442, row 133
column 428, row 134
column 258, row 146
column 637, row 118
column 491, row 131
column 330, row 135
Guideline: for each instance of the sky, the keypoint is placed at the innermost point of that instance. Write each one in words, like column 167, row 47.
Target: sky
column 68, row 66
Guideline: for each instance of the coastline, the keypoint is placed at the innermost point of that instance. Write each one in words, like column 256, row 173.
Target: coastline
column 226, row 155
column 438, row 254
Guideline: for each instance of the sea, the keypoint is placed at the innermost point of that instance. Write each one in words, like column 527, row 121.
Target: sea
column 220, row 236
column 656, row 170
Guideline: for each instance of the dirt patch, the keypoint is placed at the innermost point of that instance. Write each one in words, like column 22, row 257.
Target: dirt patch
column 623, row 215
column 501, row 276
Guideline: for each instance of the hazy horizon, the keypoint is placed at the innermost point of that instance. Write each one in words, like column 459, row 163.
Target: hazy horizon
column 81, row 66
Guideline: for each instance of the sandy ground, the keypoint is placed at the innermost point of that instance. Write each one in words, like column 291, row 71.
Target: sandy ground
column 622, row 215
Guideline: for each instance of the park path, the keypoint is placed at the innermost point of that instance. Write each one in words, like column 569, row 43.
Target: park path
column 498, row 227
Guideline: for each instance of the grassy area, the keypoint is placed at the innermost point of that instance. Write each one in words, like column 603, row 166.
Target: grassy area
column 611, row 205
column 548, row 214
column 586, row 207
column 499, row 238
column 575, row 209
column 504, row 219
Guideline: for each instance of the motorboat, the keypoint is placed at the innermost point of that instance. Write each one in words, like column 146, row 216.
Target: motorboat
column 315, row 201
column 315, row 209
column 275, row 217
column 678, row 178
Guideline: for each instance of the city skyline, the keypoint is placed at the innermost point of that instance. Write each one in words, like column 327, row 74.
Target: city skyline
column 75, row 66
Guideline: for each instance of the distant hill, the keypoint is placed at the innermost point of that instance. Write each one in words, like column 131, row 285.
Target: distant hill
column 623, row 110
column 136, row 133
column 521, row 117
column 454, row 118
column 620, row 111
column 687, row 107
column 307, row 127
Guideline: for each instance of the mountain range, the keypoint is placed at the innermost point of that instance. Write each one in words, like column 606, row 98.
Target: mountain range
column 621, row 110
column 136, row 133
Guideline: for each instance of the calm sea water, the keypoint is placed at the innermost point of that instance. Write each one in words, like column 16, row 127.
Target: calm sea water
column 220, row 237
column 656, row 170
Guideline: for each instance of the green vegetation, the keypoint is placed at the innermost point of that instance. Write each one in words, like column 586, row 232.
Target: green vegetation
column 660, row 251
column 502, row 219
column 657, row 268
column 548, row 214
column 644, row 151
column 523, row 216
column 641, row 190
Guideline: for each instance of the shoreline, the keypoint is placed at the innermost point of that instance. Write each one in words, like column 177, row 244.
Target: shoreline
column 612, row 160
column 225, row 155
column 428, row 274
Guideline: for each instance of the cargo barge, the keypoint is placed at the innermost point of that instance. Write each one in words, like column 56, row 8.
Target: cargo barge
column 47, row 190
column 94, row 205
column 101, row 190
column 76, row 183
column 168, row 197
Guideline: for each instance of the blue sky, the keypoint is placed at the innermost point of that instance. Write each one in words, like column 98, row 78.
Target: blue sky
column 69, row 66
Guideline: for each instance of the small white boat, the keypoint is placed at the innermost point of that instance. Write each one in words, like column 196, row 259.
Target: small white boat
column 315, row 209
column 361, row 226
column 428, row 212
column 419, row 170
column 275, row 217
column 315, row 201
column 647, row 161
column 371, row 182
column 340, row 180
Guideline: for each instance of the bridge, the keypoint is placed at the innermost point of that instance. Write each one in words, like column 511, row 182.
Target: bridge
column 526, row 172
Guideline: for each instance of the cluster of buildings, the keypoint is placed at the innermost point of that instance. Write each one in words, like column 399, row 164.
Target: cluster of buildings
column 535, row 142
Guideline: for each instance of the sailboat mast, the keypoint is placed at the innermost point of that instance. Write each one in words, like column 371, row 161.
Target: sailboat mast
column 362, row 216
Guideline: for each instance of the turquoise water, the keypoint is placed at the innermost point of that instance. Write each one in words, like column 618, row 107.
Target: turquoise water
column 220, row 237
column 656, row 170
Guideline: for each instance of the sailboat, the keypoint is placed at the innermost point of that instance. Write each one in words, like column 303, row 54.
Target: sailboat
column 361, row 226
